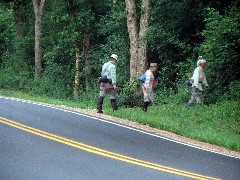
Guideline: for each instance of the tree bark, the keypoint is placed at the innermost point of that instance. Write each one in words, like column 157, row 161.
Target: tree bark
column 142, row 49
column 138, row 45
column 77, row 72
column 133, row 36
column 38, row 11
column 86, row 44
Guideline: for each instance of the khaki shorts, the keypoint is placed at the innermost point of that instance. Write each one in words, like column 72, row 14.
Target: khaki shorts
column 148, row 97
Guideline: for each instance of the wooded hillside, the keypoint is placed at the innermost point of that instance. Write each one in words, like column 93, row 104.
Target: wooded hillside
column 57, row 47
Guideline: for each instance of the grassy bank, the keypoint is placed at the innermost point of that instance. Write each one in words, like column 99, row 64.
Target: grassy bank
column 217, row 124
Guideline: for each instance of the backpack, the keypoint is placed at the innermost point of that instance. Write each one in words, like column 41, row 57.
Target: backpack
column 142, row 78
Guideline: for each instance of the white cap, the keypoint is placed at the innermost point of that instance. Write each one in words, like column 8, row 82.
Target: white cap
column 114, row 56
column 202, row 61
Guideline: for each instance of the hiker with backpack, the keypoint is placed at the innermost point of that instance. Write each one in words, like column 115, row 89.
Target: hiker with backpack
column 198, row 80
column 148, row 82
column 108, row 83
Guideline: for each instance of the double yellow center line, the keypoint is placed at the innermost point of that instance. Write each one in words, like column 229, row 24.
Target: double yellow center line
column 103, row 152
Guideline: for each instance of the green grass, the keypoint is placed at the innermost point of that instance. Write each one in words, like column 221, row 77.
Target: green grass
column 217, row 124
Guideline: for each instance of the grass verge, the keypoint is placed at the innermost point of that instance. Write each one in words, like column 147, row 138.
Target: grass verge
column 217, row 124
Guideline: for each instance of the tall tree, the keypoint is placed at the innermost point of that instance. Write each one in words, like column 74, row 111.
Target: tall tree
column 72, row 7
column 86, row 44
column 137, row 31
column 142, row 48
column 77, row 71
column 38, row 7
column 80, row 21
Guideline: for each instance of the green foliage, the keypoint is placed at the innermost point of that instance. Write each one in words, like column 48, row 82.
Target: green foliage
column 221, row 48
column 174, row 41
column 131, row 95
column 172, row 37
column 53, row 83
column 12, row 78
column 6, row 31
column 113, row 36
column 216, row 124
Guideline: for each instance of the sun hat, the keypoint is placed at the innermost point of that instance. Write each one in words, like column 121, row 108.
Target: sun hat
column 114, row 56
column 202, row 61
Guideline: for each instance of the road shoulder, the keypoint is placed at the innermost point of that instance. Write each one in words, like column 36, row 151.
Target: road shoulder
column 145, row 128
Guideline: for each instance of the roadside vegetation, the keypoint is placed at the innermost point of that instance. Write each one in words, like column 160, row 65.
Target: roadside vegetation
column 53, row 51
column 216, row 124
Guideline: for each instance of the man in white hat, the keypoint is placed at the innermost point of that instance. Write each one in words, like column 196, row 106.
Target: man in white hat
column 147, row 86
column 108, row 83
column 198, row 80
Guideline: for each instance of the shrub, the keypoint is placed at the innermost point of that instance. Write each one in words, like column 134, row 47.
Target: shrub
column 221, row 49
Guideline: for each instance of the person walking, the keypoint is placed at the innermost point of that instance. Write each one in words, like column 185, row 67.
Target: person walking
column 147, row 86
column 108, row 83
column 198, row 80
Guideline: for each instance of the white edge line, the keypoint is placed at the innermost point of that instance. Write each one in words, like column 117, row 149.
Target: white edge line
column 127, row 127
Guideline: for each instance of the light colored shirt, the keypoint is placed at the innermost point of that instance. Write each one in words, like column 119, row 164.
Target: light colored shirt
column 199, row 78
column 149, row 80
column 109, row 70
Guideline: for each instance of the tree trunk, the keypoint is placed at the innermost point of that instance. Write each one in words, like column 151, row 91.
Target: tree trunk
column 133, row 36
column 138, row 46
column 38, row 10
column 77, row 72
column 86, row 44
column 142, row 49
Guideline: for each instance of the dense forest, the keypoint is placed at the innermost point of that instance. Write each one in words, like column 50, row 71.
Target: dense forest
column 57, row 47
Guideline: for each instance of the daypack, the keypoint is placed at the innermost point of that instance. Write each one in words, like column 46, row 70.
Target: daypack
column 142, row 78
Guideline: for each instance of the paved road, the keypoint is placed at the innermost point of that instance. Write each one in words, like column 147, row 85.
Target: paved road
column 39, row 142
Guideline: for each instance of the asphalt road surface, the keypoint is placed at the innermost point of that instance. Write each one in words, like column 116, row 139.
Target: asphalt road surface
column 38, row 142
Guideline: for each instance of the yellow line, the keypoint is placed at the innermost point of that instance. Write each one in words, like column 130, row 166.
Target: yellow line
column 102, row 152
